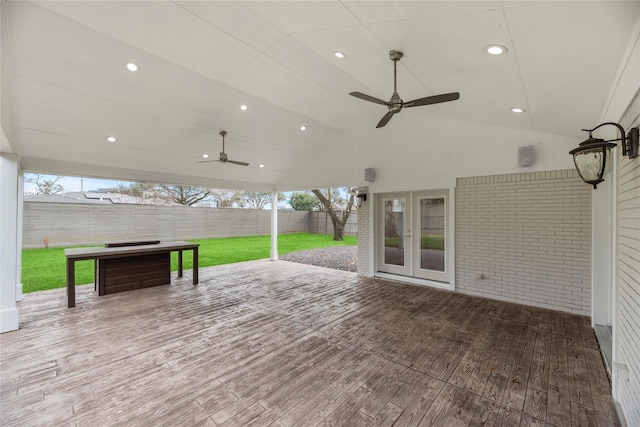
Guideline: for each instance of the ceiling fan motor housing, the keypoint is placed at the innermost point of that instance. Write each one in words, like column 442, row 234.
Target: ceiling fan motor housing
column 395, row 103
column 395, row 55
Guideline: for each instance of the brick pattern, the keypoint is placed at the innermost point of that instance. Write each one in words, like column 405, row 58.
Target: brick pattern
column 628, row 273
column 529, row 236
column 365, row 241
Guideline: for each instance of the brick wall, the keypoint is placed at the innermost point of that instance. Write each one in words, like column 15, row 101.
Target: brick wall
column 529, row 236
column 365, row 240
column 628, row 275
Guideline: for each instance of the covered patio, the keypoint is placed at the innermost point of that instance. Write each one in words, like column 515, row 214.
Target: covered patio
column 278, row 343
column 144, row 91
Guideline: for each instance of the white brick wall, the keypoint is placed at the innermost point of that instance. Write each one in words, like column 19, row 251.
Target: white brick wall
column 628, row 274
column 529, row 235
column 365, row 240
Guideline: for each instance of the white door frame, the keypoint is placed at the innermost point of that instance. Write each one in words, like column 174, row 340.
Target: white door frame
column 378, row 240
column 417, row 197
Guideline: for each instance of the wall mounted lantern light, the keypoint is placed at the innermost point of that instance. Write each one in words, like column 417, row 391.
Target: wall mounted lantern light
column 592, row 156
column 362, row 197
column 360, row 194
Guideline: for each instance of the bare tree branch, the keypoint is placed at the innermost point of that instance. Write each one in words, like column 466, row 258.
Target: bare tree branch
column 184, row 195
column 48, row 186
column 225, row 198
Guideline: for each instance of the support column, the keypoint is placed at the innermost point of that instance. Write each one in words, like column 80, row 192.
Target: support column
column 274, row 226
column 19, row 231
column 9, row 252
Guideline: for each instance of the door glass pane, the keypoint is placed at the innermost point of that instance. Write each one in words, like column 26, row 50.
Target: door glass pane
column 393, row 232
column 432, row 234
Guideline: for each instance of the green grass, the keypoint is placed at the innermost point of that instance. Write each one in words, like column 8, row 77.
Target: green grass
column 44, row 269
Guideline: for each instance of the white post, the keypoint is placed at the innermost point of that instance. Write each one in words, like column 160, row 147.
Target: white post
column 274, row 226
column 19, row 236
column 9, row 172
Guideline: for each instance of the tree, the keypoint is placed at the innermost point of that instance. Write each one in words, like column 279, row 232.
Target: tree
column 184, row 195
column 258, row 199
column 48, row 186
column 136, row 189
column 303, row 201
column 329, row 206
column 145, row 192
column 226, row 198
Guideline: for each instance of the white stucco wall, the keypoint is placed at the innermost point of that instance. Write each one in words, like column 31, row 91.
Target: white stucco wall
column 441, row 151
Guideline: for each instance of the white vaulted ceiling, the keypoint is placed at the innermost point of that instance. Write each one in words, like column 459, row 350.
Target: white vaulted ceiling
column 65, row 86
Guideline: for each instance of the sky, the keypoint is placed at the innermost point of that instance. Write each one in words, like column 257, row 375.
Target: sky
column 74, row 183
column 70, row 183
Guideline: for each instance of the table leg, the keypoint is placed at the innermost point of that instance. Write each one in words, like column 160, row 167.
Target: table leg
column 71, row 283
column 179, row 263
column 195, row 266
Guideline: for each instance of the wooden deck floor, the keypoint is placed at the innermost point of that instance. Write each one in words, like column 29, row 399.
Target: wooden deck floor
column 277, row 343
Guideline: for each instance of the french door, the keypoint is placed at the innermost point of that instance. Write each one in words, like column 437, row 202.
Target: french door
column 395, row 234
column 412, row 234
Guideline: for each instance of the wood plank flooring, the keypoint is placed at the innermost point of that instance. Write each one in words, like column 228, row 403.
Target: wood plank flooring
column 281, row 344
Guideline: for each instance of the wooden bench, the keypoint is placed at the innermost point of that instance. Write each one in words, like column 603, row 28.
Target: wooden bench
column 125, row 266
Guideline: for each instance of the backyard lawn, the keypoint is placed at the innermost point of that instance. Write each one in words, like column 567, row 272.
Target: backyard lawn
column 46, row 268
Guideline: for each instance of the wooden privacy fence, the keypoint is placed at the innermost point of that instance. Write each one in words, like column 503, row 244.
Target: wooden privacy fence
column 320, row 223
column 67, row 224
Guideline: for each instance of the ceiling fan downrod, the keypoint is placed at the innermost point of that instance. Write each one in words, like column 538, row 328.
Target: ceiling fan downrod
column 395, row 56
column 222, row 134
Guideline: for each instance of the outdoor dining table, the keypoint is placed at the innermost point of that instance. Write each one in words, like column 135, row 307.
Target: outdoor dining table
column 127, row 266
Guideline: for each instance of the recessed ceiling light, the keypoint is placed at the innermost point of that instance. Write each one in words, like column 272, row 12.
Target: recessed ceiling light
column 205, row 156
column 261, row 166
column 495, row 49
column 243, row 107
column 132, row 67
column 303, row 127
column 111, row 139
column 518, row 110
column 339, row 55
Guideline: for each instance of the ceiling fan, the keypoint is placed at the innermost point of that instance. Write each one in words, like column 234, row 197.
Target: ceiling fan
column 396, row 103
column 223, row 156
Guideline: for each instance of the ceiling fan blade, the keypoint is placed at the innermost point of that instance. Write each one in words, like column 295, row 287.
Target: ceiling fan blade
column 436, row 99
column 385, row 119
column 223, row 156
column 369, row 98
column 238, row 163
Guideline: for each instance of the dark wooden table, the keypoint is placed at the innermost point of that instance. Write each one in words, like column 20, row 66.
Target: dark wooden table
column 109, row 254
